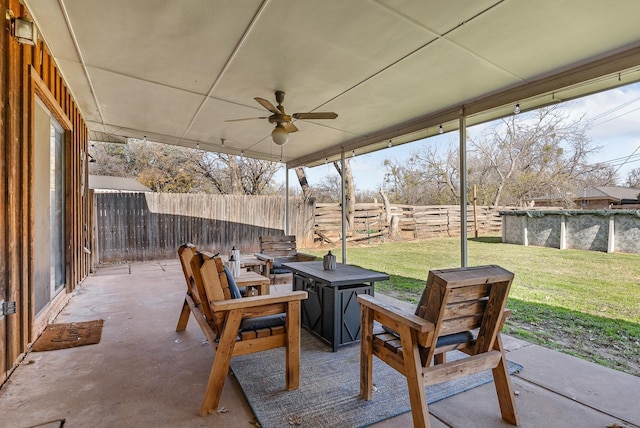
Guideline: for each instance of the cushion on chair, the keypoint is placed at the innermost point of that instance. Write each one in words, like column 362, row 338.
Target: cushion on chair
column 278, row 268
column 233, row 287
column 450, row 339
column 263, row 322
column 454, row 339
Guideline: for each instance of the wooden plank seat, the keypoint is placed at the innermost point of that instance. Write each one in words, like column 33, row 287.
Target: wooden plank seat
column 237, row 326
column 278, row 249
column 461, row 309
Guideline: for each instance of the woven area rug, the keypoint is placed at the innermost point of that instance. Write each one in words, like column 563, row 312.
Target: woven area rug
column 329, row 387
column 69, row 335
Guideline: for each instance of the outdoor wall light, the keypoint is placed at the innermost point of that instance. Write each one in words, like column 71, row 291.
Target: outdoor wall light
column 23, row 30
column 280, row 135
column 517, row 109
column 440, row 130
column 390, row 144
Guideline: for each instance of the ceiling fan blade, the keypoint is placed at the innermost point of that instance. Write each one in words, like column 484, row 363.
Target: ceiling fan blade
column 289, row 127
column 267, row 104
column 315, row 115
column 246, row 118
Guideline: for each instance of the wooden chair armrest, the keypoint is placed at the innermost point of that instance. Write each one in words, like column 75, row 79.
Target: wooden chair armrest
column 263, row 257
column 251, row 302
column 396, row 314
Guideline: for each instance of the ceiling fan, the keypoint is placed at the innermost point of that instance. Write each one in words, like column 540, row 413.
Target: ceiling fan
column 282, row 120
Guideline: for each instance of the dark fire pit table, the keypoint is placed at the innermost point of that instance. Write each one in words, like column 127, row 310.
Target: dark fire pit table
column 332, row 311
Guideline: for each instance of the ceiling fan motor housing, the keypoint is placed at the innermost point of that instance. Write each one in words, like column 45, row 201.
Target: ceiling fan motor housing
column 279, row 118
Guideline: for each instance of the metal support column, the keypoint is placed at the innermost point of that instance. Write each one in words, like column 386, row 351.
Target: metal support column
column 344, row 210
column 463, row 190
column 286, row 200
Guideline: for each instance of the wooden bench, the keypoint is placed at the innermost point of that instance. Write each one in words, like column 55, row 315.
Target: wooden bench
column 237, row 326
column 460, row 309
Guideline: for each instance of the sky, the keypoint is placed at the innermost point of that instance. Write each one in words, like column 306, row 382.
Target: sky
column 616, row 128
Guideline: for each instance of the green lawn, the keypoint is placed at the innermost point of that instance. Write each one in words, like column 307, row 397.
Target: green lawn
column 581, row 302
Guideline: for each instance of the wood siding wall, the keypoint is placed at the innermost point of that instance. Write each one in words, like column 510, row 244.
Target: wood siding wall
column 151, row 226
column 27, row 71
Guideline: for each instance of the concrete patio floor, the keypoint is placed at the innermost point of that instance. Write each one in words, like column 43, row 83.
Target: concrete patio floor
column 144, row 374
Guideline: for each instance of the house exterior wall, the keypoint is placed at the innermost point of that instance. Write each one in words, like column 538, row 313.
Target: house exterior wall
column 594, row 204
column 26, row 72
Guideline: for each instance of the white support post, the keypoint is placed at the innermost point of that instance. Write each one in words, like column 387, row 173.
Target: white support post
column 563, row 232
column 286, row 201
column 611, row 245
column 525, row 231
column 344, row 211
column 504, row 228
column 463, row 190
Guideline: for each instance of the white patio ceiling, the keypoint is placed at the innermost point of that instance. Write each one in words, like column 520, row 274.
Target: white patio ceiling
column 174, row 71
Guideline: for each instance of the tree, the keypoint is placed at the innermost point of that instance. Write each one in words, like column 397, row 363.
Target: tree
column 427, row 177
column 167, row 168
column 158, row 166
column 307, row 193
column 349, row 191
column 542, row 153
column 633, row 178
column 331, row 189
column 440, row 172
column 236, row 175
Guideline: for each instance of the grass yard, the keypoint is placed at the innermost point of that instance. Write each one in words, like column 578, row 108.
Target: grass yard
column 582, row 303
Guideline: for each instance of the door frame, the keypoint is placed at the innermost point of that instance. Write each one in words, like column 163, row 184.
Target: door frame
column 39, row 89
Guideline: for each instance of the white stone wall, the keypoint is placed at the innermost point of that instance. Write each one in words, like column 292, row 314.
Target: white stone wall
column 601, row 230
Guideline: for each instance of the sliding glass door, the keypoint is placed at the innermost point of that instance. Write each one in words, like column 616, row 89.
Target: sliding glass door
column 49, row 207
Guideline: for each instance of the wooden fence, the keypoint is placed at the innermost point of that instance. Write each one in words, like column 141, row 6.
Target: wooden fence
column 415, row 221
column 151, row 226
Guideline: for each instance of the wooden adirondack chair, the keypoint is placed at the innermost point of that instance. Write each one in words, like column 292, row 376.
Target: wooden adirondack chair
column 237, row 326
column 278, row 249
column 460, row 309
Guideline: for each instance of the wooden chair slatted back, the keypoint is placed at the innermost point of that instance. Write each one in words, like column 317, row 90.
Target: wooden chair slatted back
column 278, row 245
column 456, row 302
column 210, row 277
column 492, row 320
column 186, row 254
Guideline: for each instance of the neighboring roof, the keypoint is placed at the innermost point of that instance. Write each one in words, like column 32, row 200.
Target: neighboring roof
column 103, row 182
column 175, row 72
column 614, row 193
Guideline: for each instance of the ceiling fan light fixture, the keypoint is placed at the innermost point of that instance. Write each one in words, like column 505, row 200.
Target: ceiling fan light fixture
column 280, row 135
